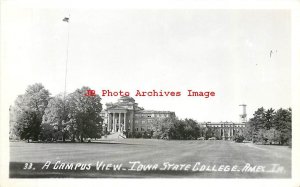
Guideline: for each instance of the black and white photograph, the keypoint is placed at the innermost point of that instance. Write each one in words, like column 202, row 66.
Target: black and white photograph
column 149, row 93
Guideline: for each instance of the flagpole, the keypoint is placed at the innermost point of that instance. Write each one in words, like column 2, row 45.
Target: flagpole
column 66, row 73
column 67, row 57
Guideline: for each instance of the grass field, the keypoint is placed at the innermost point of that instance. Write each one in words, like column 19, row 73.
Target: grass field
column 149, row 158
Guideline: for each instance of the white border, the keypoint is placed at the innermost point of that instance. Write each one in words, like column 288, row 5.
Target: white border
column 157, row 4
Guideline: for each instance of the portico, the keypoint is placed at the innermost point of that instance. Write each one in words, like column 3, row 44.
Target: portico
column 229, row 130
column 117, row 121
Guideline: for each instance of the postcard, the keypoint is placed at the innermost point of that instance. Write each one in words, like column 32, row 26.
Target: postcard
column 165, row 92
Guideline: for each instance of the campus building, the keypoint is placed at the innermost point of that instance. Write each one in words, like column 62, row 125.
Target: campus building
column 126, row 115
column 224, row 130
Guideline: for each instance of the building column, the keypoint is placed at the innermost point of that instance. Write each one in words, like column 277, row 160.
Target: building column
column 108, row 122
column 229, row 132
column 114, row 125
column 122, row 122
column 131, row 121
column 119, row 122
column 223, row 133
column 125, row 121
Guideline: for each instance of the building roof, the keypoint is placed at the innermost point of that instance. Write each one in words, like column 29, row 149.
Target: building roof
column 153, row 112
column 221, row 123
column 126, row 99
column 128, row 103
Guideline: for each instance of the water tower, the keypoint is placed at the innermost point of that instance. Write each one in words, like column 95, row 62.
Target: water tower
column 243, row 116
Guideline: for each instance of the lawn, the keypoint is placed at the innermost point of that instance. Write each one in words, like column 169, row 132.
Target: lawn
column 149, row 158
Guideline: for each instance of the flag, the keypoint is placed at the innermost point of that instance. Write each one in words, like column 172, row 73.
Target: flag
column 66, row 19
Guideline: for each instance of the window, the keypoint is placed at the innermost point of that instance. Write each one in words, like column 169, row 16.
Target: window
column 137, row 129
column 142, row 129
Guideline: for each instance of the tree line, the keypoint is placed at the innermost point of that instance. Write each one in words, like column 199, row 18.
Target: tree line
column 36, row 115
column 265, row 127
column 173, row 128
column 270, row 127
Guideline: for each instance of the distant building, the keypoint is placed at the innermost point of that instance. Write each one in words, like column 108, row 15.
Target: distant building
column 224, row 130
column 126, row 115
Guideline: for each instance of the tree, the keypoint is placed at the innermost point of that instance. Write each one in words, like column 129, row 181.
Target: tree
column 177, row 130
column 48, row 132
column 273, row 136
column 261, row 136
column 209, row 132
column 283, row 124
column 269, row 117
column 192, row 130
column 161, row 127
column 28, row 110
column 184, row 130
column 13, row 133
column 55, row 116
column 84, row 115
column 247, row 132
column 268, row 126
column 257, row 123
column 202, row 131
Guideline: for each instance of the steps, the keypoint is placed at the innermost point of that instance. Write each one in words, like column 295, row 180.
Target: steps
column 116, row 135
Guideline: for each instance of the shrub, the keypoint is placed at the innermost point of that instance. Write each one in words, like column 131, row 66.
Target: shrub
column 239, row 138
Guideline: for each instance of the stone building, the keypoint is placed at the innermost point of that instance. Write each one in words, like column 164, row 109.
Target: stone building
column 126, row 115
column 224, row 130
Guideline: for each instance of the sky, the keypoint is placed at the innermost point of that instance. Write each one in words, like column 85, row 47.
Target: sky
column 224, row 51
